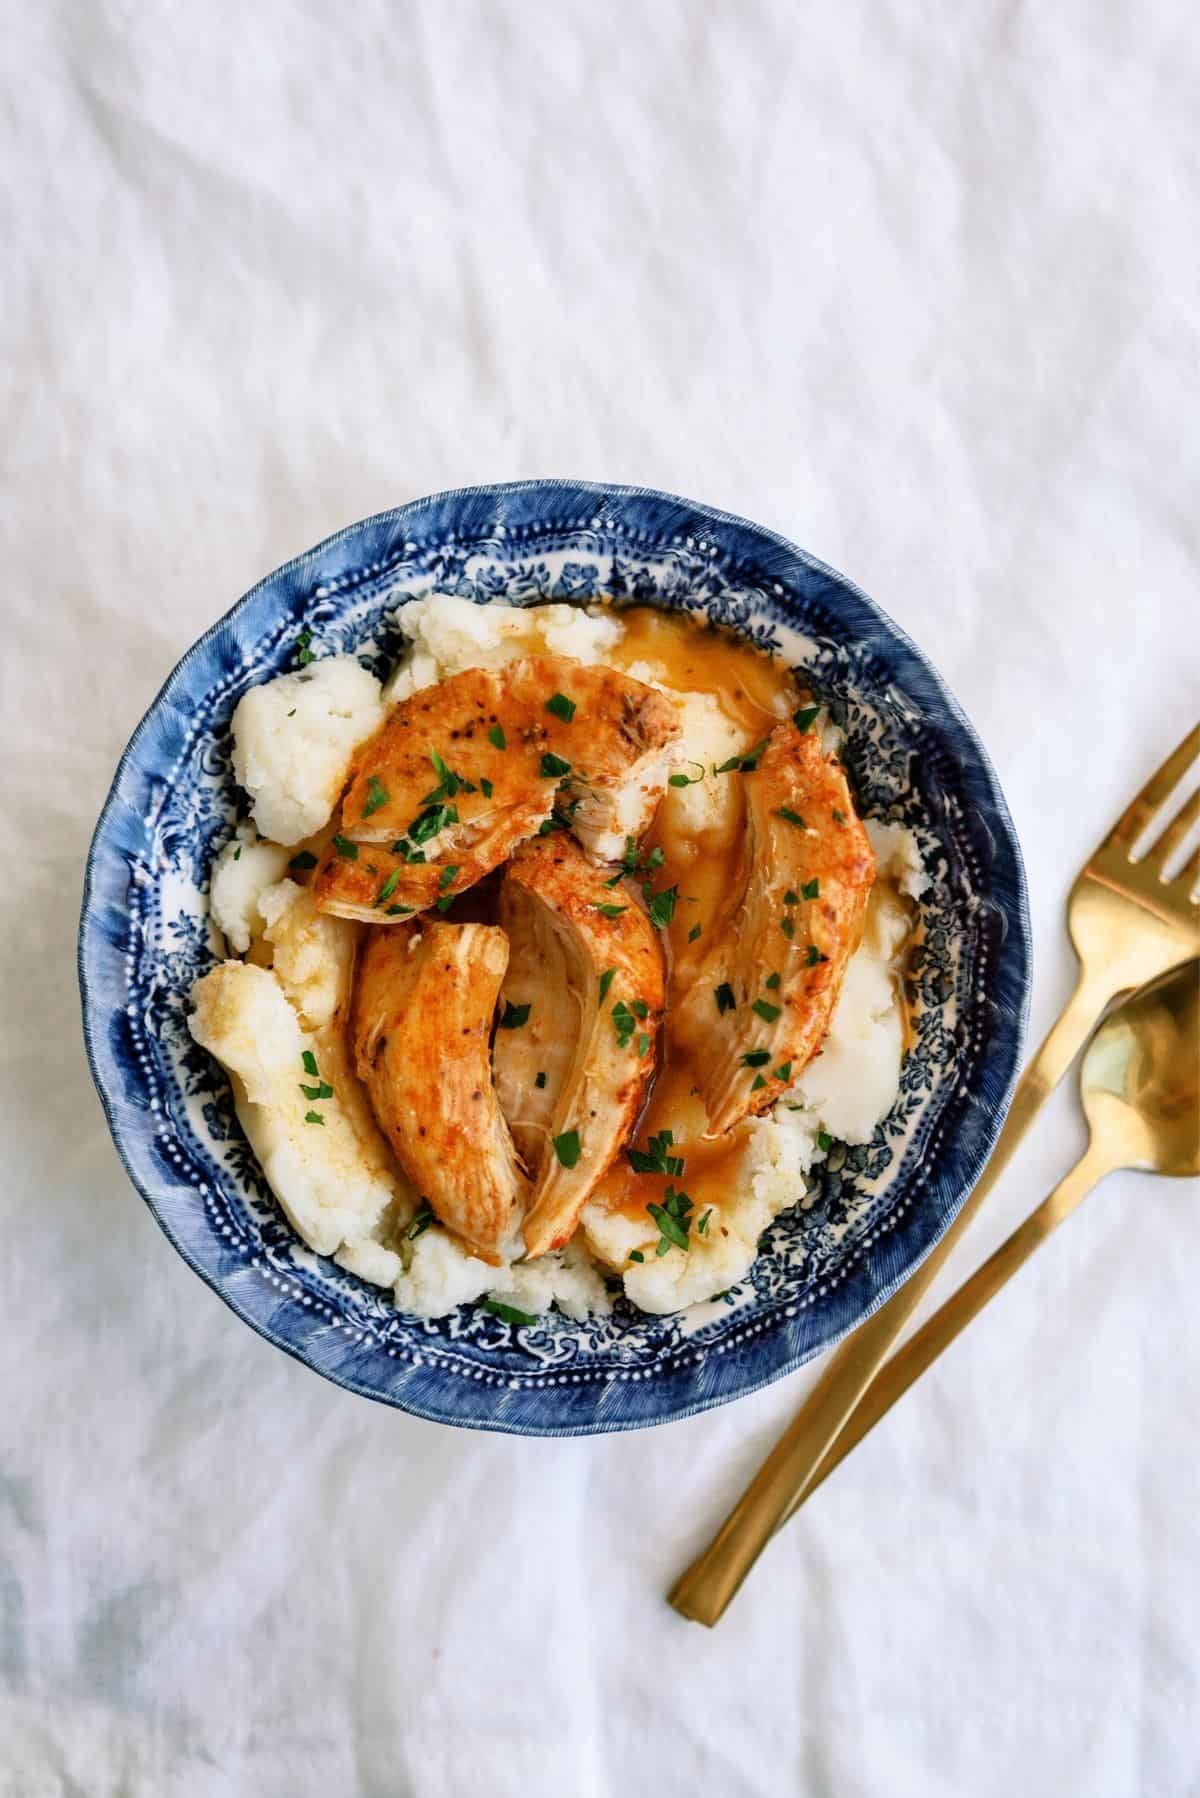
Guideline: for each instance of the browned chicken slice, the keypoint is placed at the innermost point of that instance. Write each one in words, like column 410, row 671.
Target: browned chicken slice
column 589, row 964
column 761, row 1001
column 463, row 772
column 424, row 1002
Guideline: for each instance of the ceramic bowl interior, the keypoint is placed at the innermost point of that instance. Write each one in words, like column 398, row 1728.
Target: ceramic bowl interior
column 876, row 1210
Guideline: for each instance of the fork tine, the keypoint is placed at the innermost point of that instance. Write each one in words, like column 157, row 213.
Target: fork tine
column 1161, row 852
column 1189, row 876
column 1156, row 789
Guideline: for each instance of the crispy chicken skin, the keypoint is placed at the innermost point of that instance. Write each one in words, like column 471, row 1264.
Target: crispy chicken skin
column 783, row 946
column 597, row 1050
column 511, row 744
column 424, row 1002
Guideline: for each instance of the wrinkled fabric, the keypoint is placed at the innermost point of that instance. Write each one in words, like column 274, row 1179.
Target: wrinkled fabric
column 917, row 288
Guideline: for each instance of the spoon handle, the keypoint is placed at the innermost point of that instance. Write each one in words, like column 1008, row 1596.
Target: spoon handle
column 950, row 1319
column 704, row 1589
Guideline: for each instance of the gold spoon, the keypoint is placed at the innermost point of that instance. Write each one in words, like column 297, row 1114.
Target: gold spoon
column 1140, row 1083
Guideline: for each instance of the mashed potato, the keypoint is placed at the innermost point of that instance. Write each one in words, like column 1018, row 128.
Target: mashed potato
column 336, row 1181
column 293, row 738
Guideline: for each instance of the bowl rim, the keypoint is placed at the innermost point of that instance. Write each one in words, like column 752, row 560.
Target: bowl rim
column 748, row 1380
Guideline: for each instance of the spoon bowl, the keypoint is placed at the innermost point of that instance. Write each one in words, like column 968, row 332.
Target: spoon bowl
column 1140, row 1078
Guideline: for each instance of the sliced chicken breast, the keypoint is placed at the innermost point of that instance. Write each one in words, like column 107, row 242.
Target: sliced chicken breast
column 760, row 1002
column 462, row 772
column 589, row 965
column 425, row 998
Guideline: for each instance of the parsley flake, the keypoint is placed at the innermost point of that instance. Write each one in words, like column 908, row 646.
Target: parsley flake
column 771, row 982
column 540, row 1079
column 606, row 980
column 811, row 888
column 824, row 1141
column 610, row 911
column 377, row 795
column 791, row 897
column 643, row 1043
column 636, row 1255
column 508, row 1314
column 497, row 737
column 813, row 955
column 790, row 817
column 561, row 706
column 654, row 1158
column 838, row 817
column 422, row 1219
column 765, row 1010
column 723, row 995
column 388, row 887
column 514, row 1016
column 756, row 1058
column 313, row 1117
column 486, row 787
column 662, row 907
column 694, row 932
column 309, row 1063
column 304, row 860
column 553, row 766
column 304, row 654
column 566, row 1147
column 805, row 717
column 782, row 1072
column 346, row 849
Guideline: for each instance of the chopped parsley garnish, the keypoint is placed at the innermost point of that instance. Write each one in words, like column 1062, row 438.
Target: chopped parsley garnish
column 422, row 1219
column 388, row 887
column 553, row 766
column 449, row 783
column 790, row 817
column 747, row 763
column 304, row 654
column 824, row 1141
column 313, row 1117
column 304, row 860
column 610, row 911
column 838, row 817
column 805, row 717
column 514, row 1016
column 643, row 1043
column 813, row 955
column 508, row 1314
column 782, row 1072
column 641, row 1009
column 486, row 787
column 687, row 780
column 322, row 1090
column 624, row 1023
column 497, row 737
column 756, row 1058
column 309, row 1063
column 771, row 982
column 811, row 888
column 791, row 897
column 662, row 907
column 787, row 927
column 606, row 980
column 433, row 819
column 540, row 1080
column 399, row 911
column 702, row 1226
column 723, row 995
column 636, row 1255
column 566, row 1147
column 237, row 854
column 377, row 795
column 672, row 1220
column 757, row 1083
column 561, row 706
column 765, row 1010
column 694, row 932
column 448, row 877
column 346, row 848
column 654, row 1158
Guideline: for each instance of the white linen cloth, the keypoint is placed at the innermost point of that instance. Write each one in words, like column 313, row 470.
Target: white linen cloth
column 918, row 287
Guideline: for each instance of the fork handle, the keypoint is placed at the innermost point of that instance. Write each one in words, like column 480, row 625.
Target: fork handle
column 935, row 1336
column 783, row 1481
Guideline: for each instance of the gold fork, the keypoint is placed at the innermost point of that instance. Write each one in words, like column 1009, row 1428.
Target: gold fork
column 1128, row 923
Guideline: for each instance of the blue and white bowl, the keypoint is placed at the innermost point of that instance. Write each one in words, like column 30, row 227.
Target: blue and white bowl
column 144, row 938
